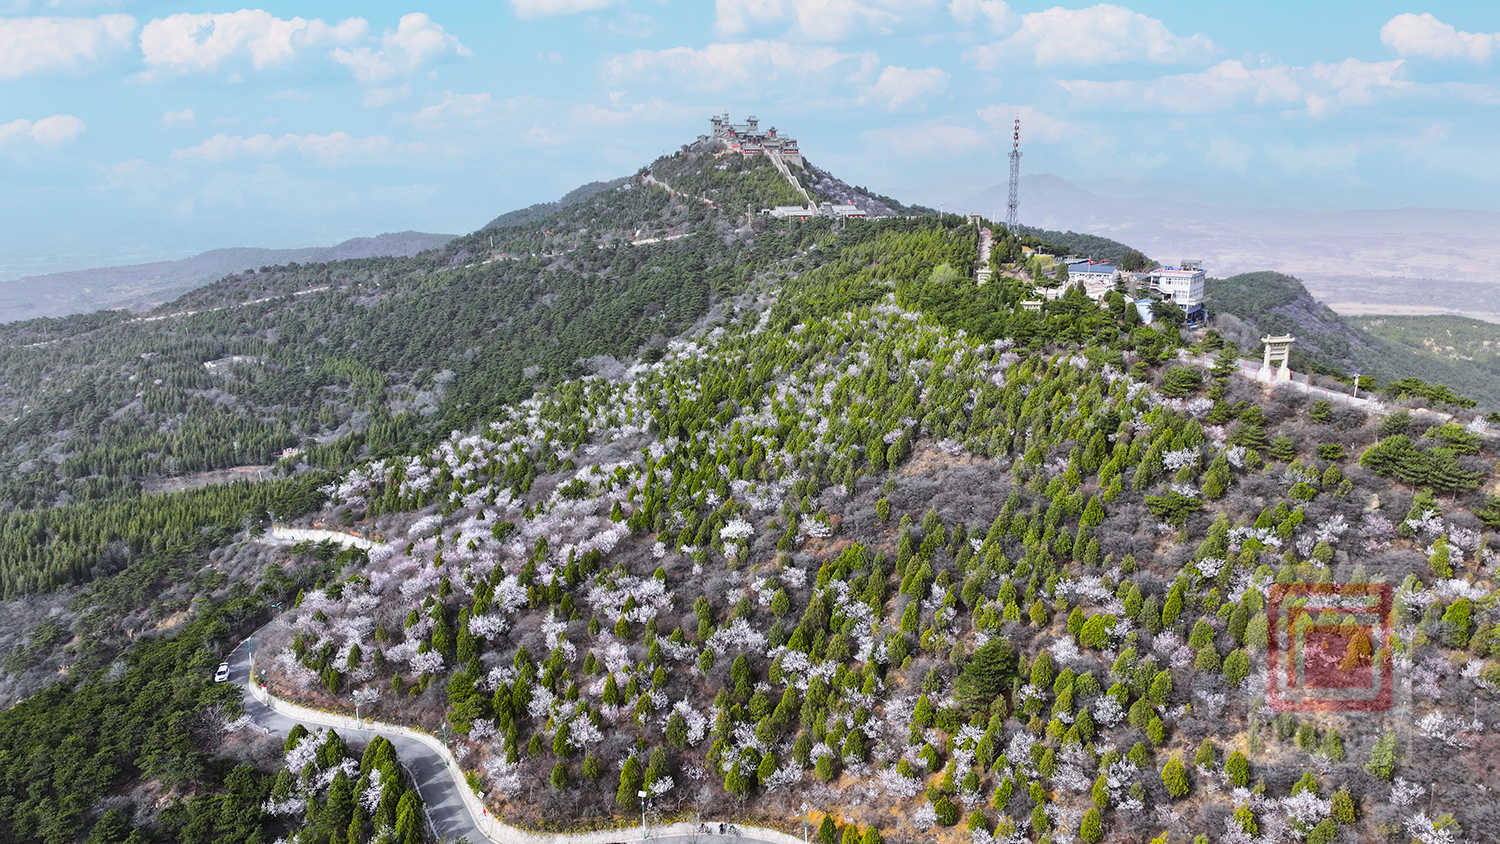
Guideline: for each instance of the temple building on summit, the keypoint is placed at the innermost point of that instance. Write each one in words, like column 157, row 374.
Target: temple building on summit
column 749, row 139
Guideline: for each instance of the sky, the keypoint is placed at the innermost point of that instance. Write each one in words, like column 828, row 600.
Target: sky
column 139, row 131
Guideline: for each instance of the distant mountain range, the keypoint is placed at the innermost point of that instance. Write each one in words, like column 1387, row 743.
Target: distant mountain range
column 141, row 286
column 1410, row 260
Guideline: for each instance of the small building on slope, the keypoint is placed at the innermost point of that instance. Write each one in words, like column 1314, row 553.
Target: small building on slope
column 1097, row 278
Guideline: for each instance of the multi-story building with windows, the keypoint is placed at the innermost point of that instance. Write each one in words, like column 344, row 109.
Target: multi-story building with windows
column 1182, row 285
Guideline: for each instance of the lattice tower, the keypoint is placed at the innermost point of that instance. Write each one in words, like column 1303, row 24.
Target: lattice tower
column 1014, row 205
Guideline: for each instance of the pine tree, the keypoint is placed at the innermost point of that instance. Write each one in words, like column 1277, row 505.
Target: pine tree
column 1324, row 832
column 1244, row 817
column 987, row 673
column 1172, row 608
column 1236, row 667
column 767, row 767
column 1382, row 762
column 1237, row 768
column 408, row 819
column 1161, row 687
column 630, row 783
column 946, row 811
column 824, row 767
column 1174, row 778
column 1206, row 755
column 1341, row 804
column 333, row 819
column 1456, row 622
column 735, row 781
column 1439, row 560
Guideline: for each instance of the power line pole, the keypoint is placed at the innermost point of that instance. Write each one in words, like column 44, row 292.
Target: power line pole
column 1014, row 205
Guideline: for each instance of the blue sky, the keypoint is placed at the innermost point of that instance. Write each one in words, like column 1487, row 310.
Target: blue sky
column 136, row 131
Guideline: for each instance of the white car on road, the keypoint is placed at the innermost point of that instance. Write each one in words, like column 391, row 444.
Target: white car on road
column 222, row 674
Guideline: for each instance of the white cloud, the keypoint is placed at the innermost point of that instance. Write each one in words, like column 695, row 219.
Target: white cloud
column 1229, row 153
column 1221, row 86
column 416, row 41
column 995, row 14
column 381, row 97
column 632, row 25
column 1319, row 88
column 1103, row 34
column 820, row 20
column 37, row 45
column 541, row 136
column 898, row 86
column 335, row 149
column 454, row 108
column 1350, row 82
column 204, row 41
column 482, row 115
column 1424, row 36
column 179, row 119
column 1035, row 125
column 655, row 111
column 930, row 140
column 743, row 66
column 48, row 132
column 547, row 8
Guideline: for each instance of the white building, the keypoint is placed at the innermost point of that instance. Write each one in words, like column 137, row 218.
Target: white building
column 827, row 209
column 1097, row 278
column 797, row 212
column 1182, row 285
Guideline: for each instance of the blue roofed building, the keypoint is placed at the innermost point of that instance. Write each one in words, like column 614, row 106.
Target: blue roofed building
column 1096, row 277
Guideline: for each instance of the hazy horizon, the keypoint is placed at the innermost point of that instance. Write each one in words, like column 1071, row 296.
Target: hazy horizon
column 138, row 135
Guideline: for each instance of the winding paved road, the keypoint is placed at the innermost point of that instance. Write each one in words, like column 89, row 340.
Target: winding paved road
column 438, row 782
column 435, row 782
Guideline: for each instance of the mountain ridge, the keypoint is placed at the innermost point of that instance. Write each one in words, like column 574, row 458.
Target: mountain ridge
column 140, row 286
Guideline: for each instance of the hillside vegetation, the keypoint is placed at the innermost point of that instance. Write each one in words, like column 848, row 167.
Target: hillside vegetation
column 762, row 515
column 930, row 581
column 1085, row 245
column 1460, row 342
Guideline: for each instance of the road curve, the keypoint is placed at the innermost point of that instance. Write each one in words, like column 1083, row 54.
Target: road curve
column 435, row 782
column 439, row 782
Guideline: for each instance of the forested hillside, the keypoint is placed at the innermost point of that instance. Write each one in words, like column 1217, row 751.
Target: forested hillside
column 1010, row 579
column 1249, row 305
column 321, row 364
column 543, row 210
column 1084, row 245
column 299, row 367
column 1470, row 347
column 762, row 514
